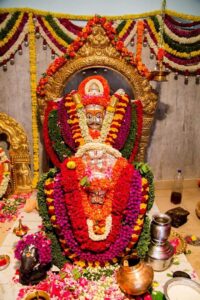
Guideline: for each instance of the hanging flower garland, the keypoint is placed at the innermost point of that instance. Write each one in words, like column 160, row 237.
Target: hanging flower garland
column 192, row 48
column 182, row 65
column 48, row 143
column 63, row 117
column 4, row 172
column 32, row 58
column 12, row 34
column 117, row 118
column 181, row 36
column 178, row 52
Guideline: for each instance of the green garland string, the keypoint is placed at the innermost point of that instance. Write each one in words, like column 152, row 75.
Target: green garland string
column 120, row 26
column 128, row 147
column 144, row 239
column 180, row 47
column 58, row 30
column 58, row 143
column 146, row 172
column 58, row 259
column 9, row 25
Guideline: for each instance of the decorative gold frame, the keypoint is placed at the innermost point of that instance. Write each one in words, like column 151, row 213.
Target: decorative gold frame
column 98, row 51
column 21, row 178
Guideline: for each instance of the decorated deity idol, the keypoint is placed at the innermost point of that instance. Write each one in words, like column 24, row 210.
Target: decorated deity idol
column 94, row 202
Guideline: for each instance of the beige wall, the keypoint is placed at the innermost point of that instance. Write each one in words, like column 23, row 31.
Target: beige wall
column 175, row 140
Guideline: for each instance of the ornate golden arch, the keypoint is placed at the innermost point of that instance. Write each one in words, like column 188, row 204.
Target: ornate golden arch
column 98, row 51
column 18, row 152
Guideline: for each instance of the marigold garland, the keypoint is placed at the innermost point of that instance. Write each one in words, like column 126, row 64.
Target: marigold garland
column 32, row 57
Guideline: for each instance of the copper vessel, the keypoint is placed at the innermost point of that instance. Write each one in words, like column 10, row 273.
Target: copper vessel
column 134, row 276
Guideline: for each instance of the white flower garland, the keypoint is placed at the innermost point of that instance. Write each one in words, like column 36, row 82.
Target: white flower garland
column 99, row 237
column 97, row 146
column 83, row 125
column 106, row 126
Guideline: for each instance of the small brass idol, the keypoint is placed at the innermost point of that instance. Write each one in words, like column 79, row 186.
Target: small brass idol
column 21, row 229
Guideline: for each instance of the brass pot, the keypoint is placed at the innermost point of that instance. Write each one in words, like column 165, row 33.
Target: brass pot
column 134, row 276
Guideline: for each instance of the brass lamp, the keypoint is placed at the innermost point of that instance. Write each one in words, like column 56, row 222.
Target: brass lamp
column 160, row 74
column 21, row 229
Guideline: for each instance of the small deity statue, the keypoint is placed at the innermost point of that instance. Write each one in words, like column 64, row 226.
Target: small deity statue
column 23, row 176
column 97, row 199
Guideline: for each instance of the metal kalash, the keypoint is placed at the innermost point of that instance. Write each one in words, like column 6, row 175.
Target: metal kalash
column 160, row 251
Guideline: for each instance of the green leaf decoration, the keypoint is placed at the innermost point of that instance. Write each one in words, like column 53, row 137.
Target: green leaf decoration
column 85, row 181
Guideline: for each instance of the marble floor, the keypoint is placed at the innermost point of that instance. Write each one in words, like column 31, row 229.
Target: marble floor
column 162, row 198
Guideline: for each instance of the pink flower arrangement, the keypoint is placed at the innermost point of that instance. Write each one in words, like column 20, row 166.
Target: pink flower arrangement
column 40, row 241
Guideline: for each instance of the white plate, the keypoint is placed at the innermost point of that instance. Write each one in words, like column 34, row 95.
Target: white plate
column 182, row 289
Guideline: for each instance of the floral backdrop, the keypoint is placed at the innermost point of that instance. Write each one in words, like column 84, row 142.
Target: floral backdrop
column 177, row 34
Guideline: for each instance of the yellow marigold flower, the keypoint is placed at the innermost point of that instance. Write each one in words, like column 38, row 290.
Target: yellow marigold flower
column 107, row 264
column 79, row 106
column 72, row 255
column 115, row 123
column 114, row 260
column 81, row 141
column 146, row 197
column 121, row 110
column 48, row 192
column 114, row 129
column 49, row 180
column 76, row 135
column 80, row 263
column 134, row 235
column 97, row 264
column 118, row 117
column 144, row 181
column 143, row 205
column 68, row 104
column 110, row 109
column 136, row 227
column 125, row 98
column 140, row 222
column 113, row 135
column 53, row 218
column 71, row 165
column 193, row 237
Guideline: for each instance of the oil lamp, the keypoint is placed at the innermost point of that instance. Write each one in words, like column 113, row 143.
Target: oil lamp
column 21, row 229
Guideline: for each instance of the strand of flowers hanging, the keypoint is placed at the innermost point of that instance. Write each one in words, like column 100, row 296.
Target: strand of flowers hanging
column 13, row 30
column 32, row 60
